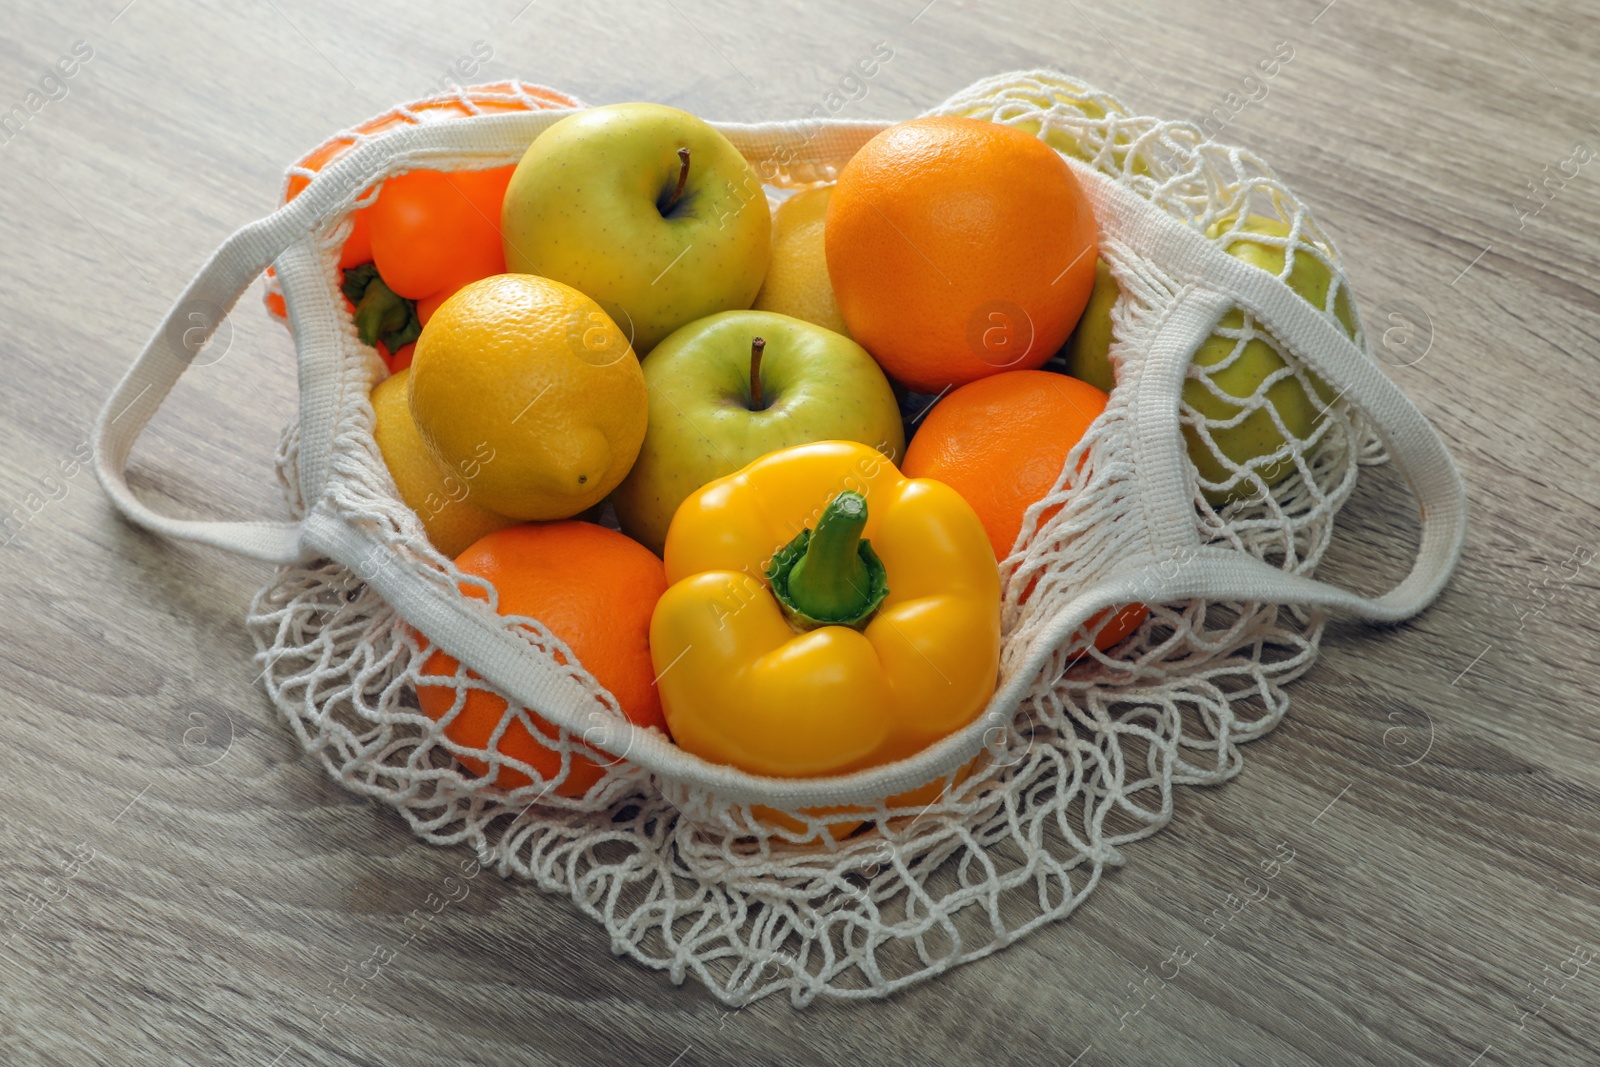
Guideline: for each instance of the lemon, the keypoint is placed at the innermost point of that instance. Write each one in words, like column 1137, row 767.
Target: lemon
column 797, row 277
column 442, row 499
column 532, row 380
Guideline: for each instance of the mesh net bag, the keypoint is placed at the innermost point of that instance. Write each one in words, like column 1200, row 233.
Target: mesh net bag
column 858, row 885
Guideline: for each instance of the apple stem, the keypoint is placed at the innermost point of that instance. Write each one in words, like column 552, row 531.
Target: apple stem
column 757, row 346
column 683, row 178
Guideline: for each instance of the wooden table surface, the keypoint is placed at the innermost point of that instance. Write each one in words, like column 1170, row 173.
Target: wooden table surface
column 179, row 885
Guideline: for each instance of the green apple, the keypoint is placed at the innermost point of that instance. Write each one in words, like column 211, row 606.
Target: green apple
column 646, row 209
column 1058, row 93
column 719, row 400
column 1256, row 435
column 1089, row 347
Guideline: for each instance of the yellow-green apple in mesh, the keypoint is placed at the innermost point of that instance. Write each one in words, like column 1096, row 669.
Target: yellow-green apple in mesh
column 1056, row 91
column 1256, row 435
column 646, row 209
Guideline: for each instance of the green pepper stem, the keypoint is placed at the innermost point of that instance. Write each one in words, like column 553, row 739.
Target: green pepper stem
column 830, row 576
column 830, row 581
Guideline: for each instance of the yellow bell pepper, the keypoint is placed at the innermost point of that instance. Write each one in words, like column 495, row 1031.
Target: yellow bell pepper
column 826, row 613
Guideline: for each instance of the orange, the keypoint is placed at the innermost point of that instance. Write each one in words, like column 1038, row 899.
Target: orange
column 595, row 590
column 959, row 248
column 1001, row 442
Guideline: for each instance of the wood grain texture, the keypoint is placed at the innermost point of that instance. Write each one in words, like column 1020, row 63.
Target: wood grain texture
column 1437, row 782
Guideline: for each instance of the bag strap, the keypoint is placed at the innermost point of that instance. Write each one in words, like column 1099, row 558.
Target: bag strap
column 1220, row 280
column 166, row 355
column 217, row 286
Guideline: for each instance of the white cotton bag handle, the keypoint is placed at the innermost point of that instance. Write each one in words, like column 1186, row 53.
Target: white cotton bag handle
column 217, row 286
column 168, row 353
column 1219, row 282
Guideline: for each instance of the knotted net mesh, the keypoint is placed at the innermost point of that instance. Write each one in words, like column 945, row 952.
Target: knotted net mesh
column 857, row 901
